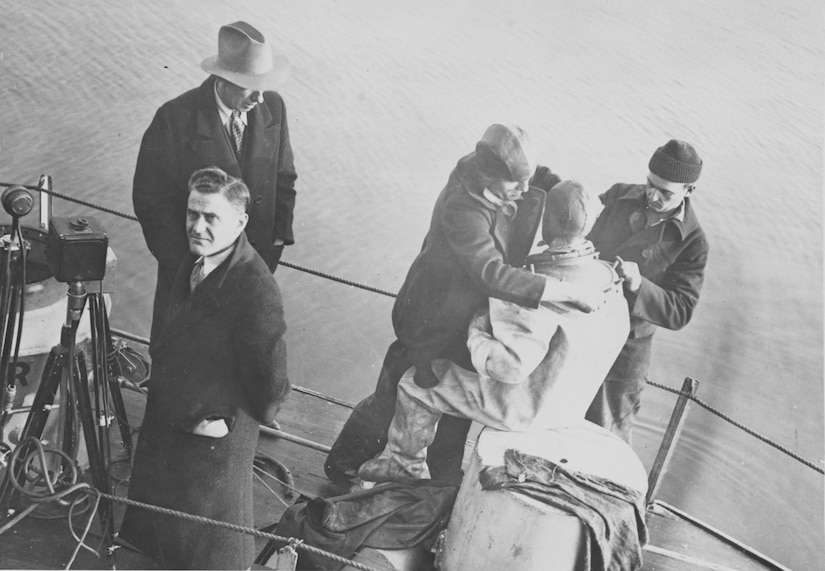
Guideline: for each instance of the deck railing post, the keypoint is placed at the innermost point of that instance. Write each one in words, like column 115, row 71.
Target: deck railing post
column 672, row 432
column 45, row 201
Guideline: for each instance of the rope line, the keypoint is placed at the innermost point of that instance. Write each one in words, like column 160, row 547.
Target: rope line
column 59, row 487
column 337, row 279
column 233, row 527
column 698, row 401
column 76, row 200
column 135, row 219
column 740, row 426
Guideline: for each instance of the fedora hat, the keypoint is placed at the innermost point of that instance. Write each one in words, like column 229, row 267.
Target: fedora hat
column 245, row 58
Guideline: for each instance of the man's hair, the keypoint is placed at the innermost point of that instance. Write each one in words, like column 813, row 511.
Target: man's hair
column 212, row 180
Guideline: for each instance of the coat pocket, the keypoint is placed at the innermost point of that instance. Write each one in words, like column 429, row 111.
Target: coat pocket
column 212, row 426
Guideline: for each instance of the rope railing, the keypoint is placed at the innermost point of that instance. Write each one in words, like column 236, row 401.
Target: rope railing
column 741, row 426
column 80, row 201
column 697, row 400
column 337, row 279
column 53, row 486
column 134, row 218
column 295, row 543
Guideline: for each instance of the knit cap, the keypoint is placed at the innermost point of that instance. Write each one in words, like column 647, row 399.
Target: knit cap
column 505, row 152
column 569, row 212
column 676, row 161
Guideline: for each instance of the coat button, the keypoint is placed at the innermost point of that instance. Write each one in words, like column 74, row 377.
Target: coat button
column 259, row 199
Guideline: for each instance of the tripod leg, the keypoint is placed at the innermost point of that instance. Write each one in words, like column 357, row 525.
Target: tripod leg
column 114, row 387
column 122, row 419
column 68, row 438
column 97, row 455
column 88, row 421
column 36, row 421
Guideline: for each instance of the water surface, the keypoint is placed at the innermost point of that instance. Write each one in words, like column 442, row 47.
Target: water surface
column 385, row 97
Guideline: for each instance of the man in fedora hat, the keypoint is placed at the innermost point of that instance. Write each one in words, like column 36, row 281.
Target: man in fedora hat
column 483, row 225
column 230, row 122
column 652, row 234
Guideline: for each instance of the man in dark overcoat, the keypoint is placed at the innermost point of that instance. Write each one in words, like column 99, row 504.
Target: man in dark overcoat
column 218, row 371
column 229, row 122
column 652, row 233
column 483, row 224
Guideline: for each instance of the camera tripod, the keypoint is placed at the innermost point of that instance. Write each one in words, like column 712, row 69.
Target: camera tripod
column 13, row 260
column 65, row 372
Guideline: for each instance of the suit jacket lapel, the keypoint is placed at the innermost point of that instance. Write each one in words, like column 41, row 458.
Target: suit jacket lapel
column 187, row 309
column 261, row 140
column 211, row 143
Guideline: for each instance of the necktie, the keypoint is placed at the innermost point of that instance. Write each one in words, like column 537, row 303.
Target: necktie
column 236, row 128
column 196, row 276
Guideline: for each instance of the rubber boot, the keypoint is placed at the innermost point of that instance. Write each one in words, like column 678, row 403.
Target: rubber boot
column 364, row 434
column 411, row 431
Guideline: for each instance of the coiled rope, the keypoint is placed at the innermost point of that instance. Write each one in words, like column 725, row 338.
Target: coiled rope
column 698, row 401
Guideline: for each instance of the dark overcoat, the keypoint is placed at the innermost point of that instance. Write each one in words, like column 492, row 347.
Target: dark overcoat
column 671, row 257
column 185, row 135
column 220, row 355
column 467, row 257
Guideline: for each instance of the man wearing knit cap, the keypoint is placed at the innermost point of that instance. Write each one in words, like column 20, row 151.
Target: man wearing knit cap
column 483, row 225
column 652, row 234
column 535, row 368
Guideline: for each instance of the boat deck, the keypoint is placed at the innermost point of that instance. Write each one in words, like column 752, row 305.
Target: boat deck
column 676, row 544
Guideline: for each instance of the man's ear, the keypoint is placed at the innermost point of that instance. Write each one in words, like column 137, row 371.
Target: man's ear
column 690, row 188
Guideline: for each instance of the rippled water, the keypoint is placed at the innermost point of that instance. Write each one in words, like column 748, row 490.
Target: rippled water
column 384, row 99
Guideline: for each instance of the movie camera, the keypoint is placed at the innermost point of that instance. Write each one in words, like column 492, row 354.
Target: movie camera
column 77, row 254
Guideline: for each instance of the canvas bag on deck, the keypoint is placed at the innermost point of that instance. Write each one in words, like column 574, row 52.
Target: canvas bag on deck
column 388, row 516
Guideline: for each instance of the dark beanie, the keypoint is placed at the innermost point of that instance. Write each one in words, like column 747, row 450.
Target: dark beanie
column 676, row 161
column 505, row 152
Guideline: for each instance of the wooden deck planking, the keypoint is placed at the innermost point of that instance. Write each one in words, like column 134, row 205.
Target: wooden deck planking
column 47, row 544
column 674, row 534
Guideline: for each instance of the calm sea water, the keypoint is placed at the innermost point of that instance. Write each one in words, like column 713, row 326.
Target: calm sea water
column 383, row 99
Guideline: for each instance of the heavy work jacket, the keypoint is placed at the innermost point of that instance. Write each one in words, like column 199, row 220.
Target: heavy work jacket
column 185, row 135
column 220, row 355
column 467, row 257
column 671, row 257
